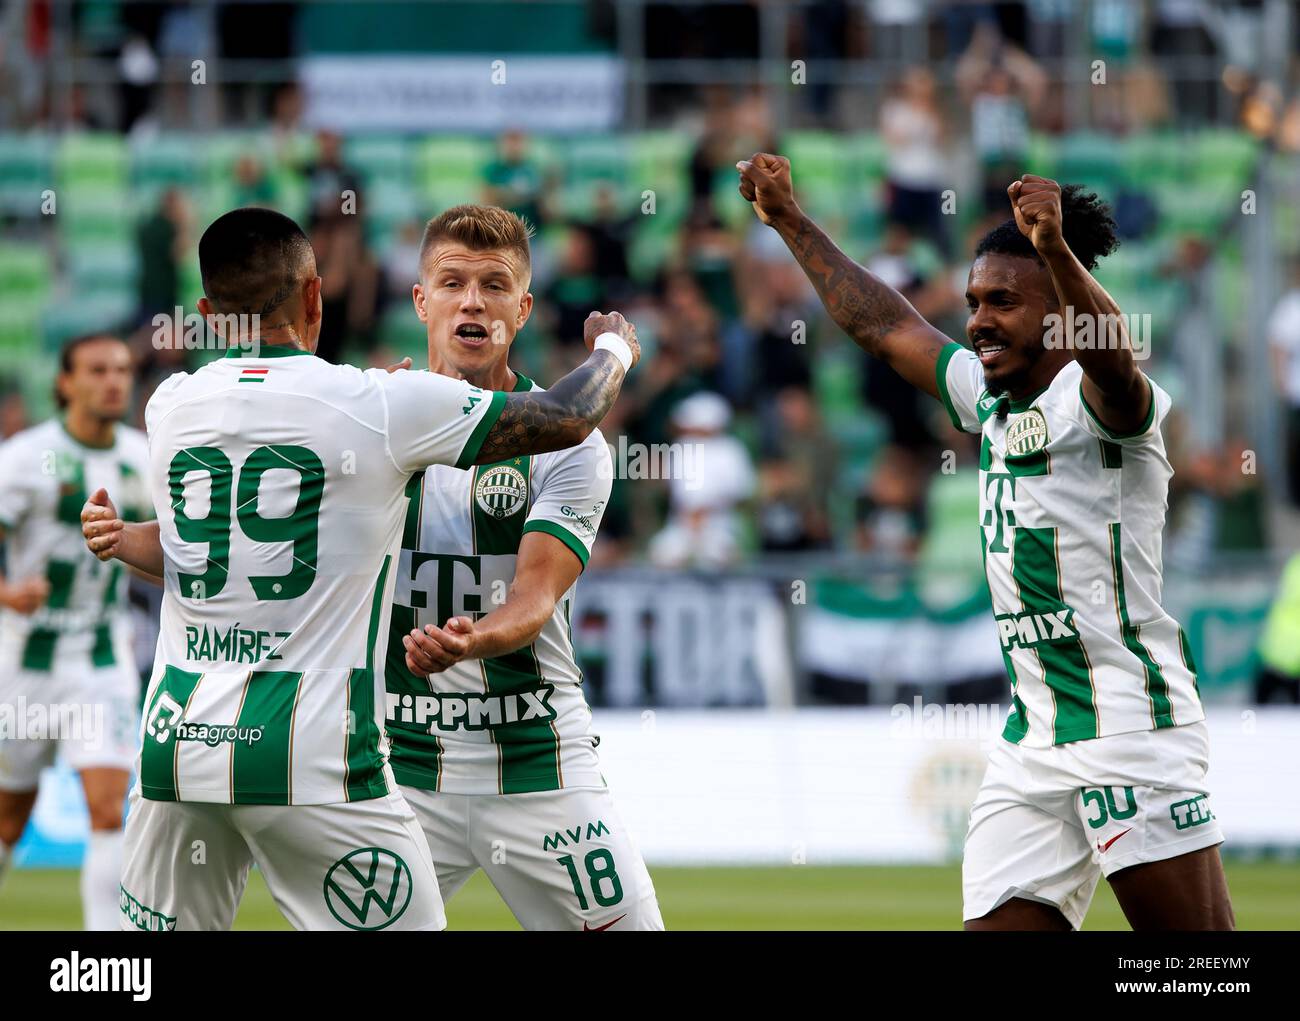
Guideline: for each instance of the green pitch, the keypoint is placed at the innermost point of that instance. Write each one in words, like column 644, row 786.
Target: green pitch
column 1266, row 896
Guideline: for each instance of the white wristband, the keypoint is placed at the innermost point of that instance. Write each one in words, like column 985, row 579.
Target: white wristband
column 616, row 346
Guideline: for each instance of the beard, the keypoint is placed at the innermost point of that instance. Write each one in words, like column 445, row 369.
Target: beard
column 1013, row 380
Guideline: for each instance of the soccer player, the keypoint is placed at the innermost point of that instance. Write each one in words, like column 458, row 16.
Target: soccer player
column 65, row 636
column 490, row 731
column 1101, row 767
column 279, row 480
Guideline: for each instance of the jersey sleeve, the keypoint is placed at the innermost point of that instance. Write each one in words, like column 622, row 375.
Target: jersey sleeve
column 573, row 495
column 960, row 378
column 1144, row 433
column 15, row 484
column 434, row 419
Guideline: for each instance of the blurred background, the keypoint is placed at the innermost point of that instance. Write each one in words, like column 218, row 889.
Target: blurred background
column 789, row 648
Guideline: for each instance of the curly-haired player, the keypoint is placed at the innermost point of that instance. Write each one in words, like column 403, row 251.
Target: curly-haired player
column 1101, row 767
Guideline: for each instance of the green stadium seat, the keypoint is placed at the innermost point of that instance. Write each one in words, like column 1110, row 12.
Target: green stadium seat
column 167, row 161
column 25, row 272
column 26, row 170
column 588, row 160
column 112, row 266
column 1155, row 158
column 449, row 169
column 83, row 158
column 658, row 160
column 381, row 158
column 97, row 211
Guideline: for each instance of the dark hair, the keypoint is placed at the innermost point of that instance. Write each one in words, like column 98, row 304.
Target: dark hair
column 69, row 350
column 1085, row 221
column 251, row 259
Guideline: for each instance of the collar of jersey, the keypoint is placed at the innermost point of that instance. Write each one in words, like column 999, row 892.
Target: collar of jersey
column 522, row 382
column 63, row 421
column 1023, row 403
column 267, row 351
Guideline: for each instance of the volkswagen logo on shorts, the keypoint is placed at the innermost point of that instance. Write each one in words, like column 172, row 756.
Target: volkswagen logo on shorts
column 369, row 888
column 501, row 491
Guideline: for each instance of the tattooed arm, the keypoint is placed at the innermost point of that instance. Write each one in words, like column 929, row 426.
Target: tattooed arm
column 879, row 319
column 567, row 413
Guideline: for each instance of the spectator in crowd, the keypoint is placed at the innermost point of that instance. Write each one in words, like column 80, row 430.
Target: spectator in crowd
column 611, row 232
column 912, row 124
column 1005, row 89
column 401, row 262
column 13, row 409
column 576, row 289
column 164, row 243
column 891, row 508
column 329, row 179
column 516, row 180
column 350, row 281
column 252, row 186
column 796, row 478
column 711, row 476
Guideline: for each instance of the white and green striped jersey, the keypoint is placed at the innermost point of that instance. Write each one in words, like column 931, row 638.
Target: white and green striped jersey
column 279, row 482
column 517, row 722
column 1072, row 516
column 45, row 479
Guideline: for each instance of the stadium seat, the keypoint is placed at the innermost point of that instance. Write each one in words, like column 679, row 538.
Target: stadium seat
column 83, row 158
column 24, row 273
column 166, row 160
column 26, row 170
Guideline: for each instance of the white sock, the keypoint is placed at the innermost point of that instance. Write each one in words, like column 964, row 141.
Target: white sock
column 5, row 851
column 101, row 877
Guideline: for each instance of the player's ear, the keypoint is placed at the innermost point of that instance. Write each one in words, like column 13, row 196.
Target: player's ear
column 311, row 303
column 417, row 299
column 216, row 323
column 525, row 310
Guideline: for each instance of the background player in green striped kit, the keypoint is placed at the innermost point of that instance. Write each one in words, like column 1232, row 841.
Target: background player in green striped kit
column 64, row 632
column 1101, row 767
column 490, row 732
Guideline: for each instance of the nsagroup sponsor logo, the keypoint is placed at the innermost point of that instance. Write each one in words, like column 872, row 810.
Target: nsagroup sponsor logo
column 142, row 917
column 470, row 711
column 1192, row 812
column 212, row 734
column 1026, row 630
column 75, row 974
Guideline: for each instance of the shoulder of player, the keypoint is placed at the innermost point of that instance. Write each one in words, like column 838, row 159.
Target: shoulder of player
column 585, row 456
column 33, row 440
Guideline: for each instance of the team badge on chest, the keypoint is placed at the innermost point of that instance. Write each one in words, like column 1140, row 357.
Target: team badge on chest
column 501, row 491
column 1027, row 434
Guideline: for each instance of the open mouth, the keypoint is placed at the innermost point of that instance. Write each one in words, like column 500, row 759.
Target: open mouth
column 472, row 334
column 988, row 351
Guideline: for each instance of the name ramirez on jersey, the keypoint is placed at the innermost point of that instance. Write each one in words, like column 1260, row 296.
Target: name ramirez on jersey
column 1071, row 523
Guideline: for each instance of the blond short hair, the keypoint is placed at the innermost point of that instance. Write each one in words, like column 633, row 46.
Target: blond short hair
column 480, row 229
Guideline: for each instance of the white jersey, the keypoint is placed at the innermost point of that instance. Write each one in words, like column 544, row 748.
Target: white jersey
column 279, row 484
column 517, row 722
column 45, row 478
column 1072, row 516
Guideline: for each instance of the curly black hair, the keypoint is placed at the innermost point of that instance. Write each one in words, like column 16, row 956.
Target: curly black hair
column 1086, row 222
